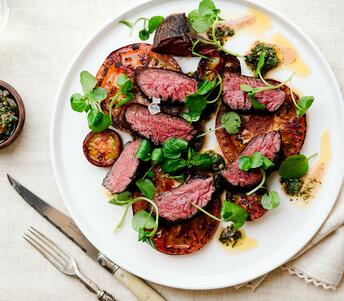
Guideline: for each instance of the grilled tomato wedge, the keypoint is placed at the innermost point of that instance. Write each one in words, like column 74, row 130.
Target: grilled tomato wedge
column 102, row 149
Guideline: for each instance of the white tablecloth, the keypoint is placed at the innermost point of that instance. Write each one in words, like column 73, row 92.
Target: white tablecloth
column 39, row 42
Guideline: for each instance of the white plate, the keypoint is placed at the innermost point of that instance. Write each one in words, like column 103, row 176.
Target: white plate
column 280, row 234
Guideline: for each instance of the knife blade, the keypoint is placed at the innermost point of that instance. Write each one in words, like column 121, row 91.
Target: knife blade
column 68, row 227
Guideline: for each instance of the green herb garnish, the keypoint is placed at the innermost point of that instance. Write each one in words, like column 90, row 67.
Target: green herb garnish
column 295, row 166
column 253, row 91
column 197, row 102
column 262, row 58
column 147, row 187
column 143, row 151
column 230, row 212
column 270, row 200
column 98, row 121
column 303, row 104
column 149, row 26
column 141, row 221
column 230, row 121
column 125, row 92
column 292, row 186
column 205, row 19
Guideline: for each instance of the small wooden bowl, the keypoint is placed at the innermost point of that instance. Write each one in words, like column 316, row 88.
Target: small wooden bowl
column 16, row 97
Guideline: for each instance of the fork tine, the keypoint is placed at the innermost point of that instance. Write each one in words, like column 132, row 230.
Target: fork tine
column 61, row 253
column 46, row 253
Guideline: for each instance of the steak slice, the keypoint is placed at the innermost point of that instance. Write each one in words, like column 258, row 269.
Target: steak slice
column 268, row 144
column 237, row 99
column 251, row 203
column 124, row 170
column 158, row 128
column 174, row 36
column 176, row 204
column 165, row 84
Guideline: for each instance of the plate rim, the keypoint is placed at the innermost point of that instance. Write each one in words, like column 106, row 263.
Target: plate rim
column 53, row 129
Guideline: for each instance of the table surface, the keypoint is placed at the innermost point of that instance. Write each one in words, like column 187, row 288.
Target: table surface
column 39, row 42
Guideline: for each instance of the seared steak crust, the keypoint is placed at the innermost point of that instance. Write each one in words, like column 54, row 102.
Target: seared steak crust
column 176, row 204
column 124, row 170
column 237, row 99
column 268, row 144
column 174, row 36
column 158, row 128
column 165, row 84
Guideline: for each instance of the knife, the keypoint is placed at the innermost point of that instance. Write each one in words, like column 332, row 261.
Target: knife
column 68, row 227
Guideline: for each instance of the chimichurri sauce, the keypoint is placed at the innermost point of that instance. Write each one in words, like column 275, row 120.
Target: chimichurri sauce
column 8, row 115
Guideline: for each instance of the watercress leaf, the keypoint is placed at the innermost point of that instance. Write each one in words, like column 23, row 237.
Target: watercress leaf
column 231, row 122
column 78, row 103
column 234, row 213
column 191, row 116
column 142, row 220
column 170, row 166
column 121, row 199
column 270, row 200
column 304, row 104
column 143, row 152
column 255, row 103
column 154, row 22
column 127, row 23
column 245, row 88
column 150, row 242
column 193, row 15
column 103, row 125
column 295, row 166
column 206, row 86
column 88, row 81
column 98, row 94
column 173, row 147
column 122, row 79
column 207, row 7
column 147, row 188
column 261, row 62
column 127, row 86
column 124, row 100
column 94, row 118
column 256, row 160
column 202, row 24
column 196, row 102
column 157, row 155
column 267, row 163
column 244, row 162
column 150, row 174
column 205, row 160
column 144, row 34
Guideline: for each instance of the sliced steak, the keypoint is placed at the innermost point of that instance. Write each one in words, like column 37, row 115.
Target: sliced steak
column 165, row 84
column 174, row 36
column 268, row 144
column 124, row 170
column 237, row 99
column 158, row 128
column 176, row 204
column 251, row 203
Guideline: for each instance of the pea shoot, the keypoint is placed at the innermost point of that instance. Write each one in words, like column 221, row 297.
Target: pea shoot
column 90, row 102
column 230, row 121
column 270, row 199
column 149, row 26
column 197, row 102
column 142, row 220
column 230, row 212
column 206, row 18
column 303, row 104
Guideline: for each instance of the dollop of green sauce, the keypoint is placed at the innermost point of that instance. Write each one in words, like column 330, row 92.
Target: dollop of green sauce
column 8, row 115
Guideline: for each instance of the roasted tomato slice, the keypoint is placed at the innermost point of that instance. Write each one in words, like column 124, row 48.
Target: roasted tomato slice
column 102, row 149
column 126, row 60
column 185, row 237
column 292, row 129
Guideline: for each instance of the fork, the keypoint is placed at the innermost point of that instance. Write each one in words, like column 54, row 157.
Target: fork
column 63, row 261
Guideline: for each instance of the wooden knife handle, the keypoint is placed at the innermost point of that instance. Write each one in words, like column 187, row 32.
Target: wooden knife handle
column 137, row 286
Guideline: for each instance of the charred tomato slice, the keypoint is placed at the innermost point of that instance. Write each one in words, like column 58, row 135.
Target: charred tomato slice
column 185, row 237
column 102, row 149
